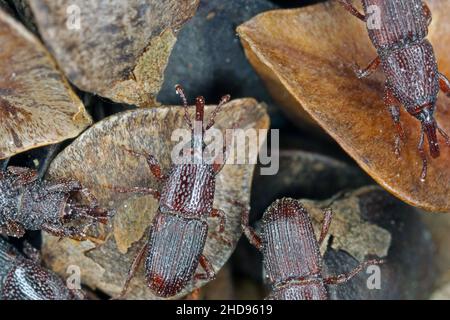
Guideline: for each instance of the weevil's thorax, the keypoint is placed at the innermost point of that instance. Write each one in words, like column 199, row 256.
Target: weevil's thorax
column 394, row 24
column 412, row 74
column 189, row 190
column 37, row 206
column 290, row 248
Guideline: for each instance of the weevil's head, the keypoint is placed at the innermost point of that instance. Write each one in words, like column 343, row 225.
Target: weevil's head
column 430, row 128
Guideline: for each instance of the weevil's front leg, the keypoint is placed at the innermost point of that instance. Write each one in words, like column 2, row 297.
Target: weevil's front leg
column 394, row 109
column 444, row 83
column 207, row 266
column 152, row 163
column 327, row 218
column 427, row 13
column 249, row 232
column 133, row 269
column 350, row 8
column 136, row 190
column 342, row 278
column 369, row 70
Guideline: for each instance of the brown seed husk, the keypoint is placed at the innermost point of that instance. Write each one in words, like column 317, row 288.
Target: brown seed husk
column 307, row 66
column 37, row 105
column 118, row 50
column 97, row 159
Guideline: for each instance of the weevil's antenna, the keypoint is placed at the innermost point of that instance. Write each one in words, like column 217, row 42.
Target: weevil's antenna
column 180, row 91
column 225, row 99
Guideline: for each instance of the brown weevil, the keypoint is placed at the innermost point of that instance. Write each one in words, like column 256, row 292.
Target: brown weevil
column 291, row 253
column 178, row 232
column 29, row 203
column 22, row 277
column 398, row 30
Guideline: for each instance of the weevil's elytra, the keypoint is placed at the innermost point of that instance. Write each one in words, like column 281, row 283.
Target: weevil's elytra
column 291, row 252
column 27, row 203
column 177, row 236
column 409, row 63
column 22, row 278
column 177, row 254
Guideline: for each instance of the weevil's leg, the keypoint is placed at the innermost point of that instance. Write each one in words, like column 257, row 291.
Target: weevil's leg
column 180, row 91
column 342, row 278
column 394, row 109
column 423, row 156
column 327, row 218
column 209, row 271
column 223, row 100
column 350, row 8
column 444, row 83
column 369, row 70
column 249, row 232
column 135, row 190
column 217, row 213
column 14, row 229
column 94, row 213
column 31, row 252
column 152, row 163
column 194, row 295
column 63, row 232
column 427, row 13
column 133, row 269
column 24, row 175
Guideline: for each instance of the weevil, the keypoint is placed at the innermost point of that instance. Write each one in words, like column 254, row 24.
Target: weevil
column 398, row 30
column 22, row 277
column 290, row 249
column 178, row 232
column 29, row 203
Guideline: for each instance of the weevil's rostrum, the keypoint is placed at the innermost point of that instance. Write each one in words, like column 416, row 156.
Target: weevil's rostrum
column 398, row 30
column 21, row 278
column 29, row 203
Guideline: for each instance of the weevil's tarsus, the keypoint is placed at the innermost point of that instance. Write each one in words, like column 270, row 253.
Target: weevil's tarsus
column 132, row 271
column 343, row 278
column 350, row 8
column 369, row 70
column 327, row 218
column 207, row 267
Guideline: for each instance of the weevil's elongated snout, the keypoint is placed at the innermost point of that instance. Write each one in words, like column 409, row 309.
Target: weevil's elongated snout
column 430, row 129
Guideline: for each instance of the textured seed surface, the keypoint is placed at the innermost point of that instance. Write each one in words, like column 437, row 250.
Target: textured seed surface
column 311, row 67
column 120, row 49
column 97, row 158
column 37, row 105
